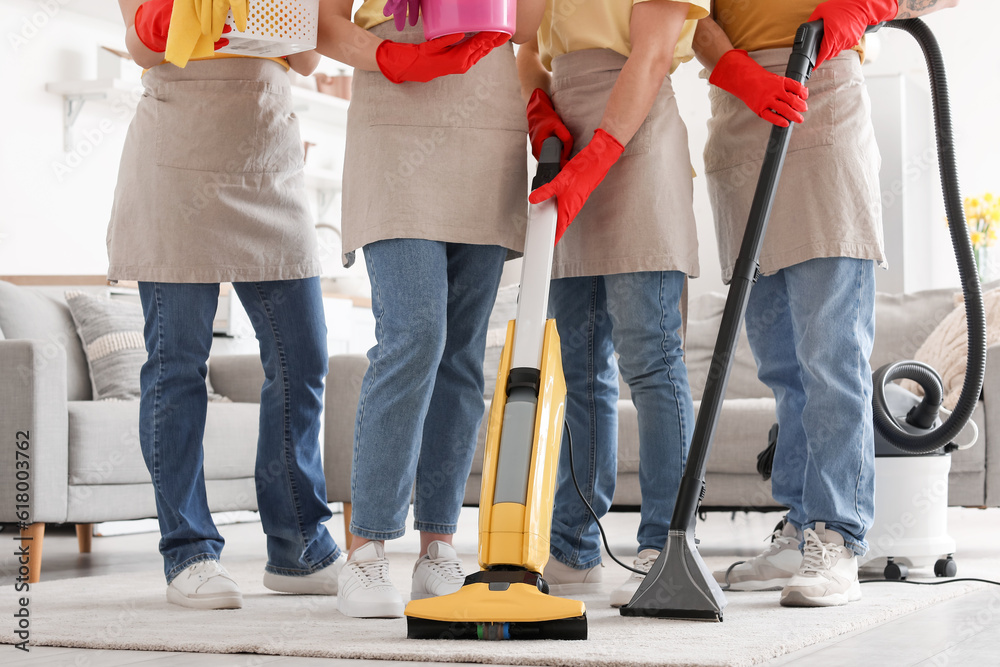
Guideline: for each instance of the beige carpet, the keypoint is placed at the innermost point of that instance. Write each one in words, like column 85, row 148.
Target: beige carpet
column 131, row 612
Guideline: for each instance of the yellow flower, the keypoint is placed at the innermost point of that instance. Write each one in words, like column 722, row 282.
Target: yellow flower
column 988, row 197
column 977, row 238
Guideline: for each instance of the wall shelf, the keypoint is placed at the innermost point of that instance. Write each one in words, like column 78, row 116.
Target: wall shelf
column 77, row 93
column 321, row 107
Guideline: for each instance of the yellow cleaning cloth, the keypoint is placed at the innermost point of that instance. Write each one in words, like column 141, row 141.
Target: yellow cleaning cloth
column 196, row 25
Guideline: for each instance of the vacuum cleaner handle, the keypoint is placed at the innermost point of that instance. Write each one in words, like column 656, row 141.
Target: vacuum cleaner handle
column 808, row 39
column 805, row 50
column 548, row 162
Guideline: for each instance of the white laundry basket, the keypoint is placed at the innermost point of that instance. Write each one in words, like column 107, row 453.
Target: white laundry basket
column 275, row 28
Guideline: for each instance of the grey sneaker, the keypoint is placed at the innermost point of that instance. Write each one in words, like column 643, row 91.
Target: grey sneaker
column 828, row 576
column 565, row 580
column 438, row 572
column 622, row 595
column 768, row 571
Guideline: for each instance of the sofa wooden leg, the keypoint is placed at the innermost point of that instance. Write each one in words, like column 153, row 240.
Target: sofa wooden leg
column 84, row 532
column 347, row 525
column 31, row 539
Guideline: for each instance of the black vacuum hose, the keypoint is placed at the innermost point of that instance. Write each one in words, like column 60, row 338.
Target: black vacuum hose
column 975, row 371
column 922, row 415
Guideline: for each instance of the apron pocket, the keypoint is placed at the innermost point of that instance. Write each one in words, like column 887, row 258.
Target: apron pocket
column 738, row 136
column 487, row 97
column 226, row 126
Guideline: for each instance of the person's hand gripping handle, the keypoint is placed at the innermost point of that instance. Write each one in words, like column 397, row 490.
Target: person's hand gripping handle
column 579, row 178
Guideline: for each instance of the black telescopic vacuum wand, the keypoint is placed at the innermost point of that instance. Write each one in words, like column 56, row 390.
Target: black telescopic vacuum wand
column 679, row 584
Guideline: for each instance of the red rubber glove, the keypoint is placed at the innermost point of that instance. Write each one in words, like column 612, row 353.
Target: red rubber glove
column 844, row 22
column 577, row 180
column 777, row 99
column 438, row 57
column 152, row 22
column 544, row 122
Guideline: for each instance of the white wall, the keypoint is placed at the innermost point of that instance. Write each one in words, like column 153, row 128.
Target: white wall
column 54, row 215
column 55, row 223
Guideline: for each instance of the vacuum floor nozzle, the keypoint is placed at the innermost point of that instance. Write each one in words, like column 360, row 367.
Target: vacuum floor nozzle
column 564, row 628
column 678, row 585
column 496, row 605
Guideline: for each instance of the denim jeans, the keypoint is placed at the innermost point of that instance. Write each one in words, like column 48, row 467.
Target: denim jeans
column 638, row 315
column 291, row 489
column 811, row 328
column 422, row 396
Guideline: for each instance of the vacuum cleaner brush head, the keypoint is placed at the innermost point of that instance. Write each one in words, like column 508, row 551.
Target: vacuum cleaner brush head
column 494, row 605
column 564, row 628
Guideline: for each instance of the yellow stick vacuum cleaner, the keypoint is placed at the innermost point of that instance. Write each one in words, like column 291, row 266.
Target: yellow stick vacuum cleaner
column 507, row 598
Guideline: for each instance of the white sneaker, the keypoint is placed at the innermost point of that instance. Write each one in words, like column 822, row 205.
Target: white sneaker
column 768, row 571
column 320, row 582
column 622, row 595
column 205, row 585
column 365, row 590
column 438, row 572
column 565, row 580
column 829, row 573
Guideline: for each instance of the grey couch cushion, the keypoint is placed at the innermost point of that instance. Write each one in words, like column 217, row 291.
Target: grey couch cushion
column 903, row 322
column 104, row 442
column 704, row 320
column 27, row 313
column 111, row 332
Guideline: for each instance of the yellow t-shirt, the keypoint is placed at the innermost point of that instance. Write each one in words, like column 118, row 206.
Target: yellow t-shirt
column 220, row 56
column 217, row 56
column 765, row 24
column 370, row 14
column 575, row 25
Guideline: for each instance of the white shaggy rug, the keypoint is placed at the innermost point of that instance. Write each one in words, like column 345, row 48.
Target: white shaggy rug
column 131, row 612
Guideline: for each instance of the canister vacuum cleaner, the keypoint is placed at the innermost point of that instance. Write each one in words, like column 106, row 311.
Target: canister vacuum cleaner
column 679, row 585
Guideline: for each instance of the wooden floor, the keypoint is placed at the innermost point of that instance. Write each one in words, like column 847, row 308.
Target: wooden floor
column 962, row 631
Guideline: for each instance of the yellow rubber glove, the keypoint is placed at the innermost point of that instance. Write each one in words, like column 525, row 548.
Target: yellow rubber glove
column 196, row 25
column 241, row 12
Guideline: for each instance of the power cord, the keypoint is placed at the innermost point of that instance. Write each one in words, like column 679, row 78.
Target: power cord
column 572, row 471
column 950, row 580
column 929, row 583
column 728, row 570
column 882, row 581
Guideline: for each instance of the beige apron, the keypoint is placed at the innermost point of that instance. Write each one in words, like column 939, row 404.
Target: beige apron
column 210, row 187
column 444, row 160
column 641, row 217
column 828, row 202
